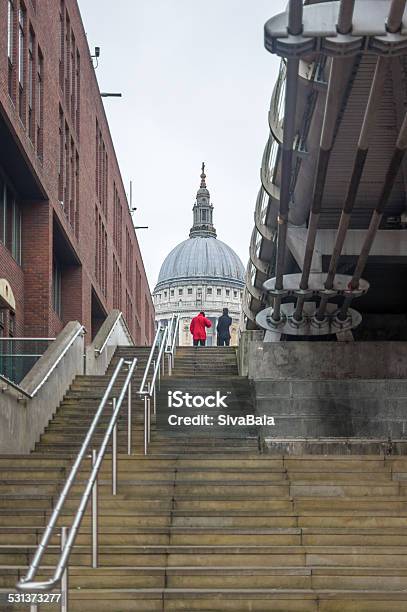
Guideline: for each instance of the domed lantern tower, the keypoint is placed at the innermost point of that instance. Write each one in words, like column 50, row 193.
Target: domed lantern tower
column 200, row 273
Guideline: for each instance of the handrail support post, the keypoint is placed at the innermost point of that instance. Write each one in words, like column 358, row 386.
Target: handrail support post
column 114, row 454
column 149, row 420
column 64, row 579
column 129, row 420
column 145, row 426
column 155, row 386
column 94, row 516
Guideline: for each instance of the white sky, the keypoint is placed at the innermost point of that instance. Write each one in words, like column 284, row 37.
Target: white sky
column 196, row 84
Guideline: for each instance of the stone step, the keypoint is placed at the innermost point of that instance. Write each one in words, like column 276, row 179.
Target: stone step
column 206, row 522
column 238, row 600
column 242, row 578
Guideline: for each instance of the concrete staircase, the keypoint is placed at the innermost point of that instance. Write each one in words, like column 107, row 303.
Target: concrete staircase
column 204, row 372
column 210, row 523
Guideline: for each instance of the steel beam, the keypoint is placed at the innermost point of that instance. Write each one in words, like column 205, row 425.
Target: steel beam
column 332, row 105
column 345, row 17
column 295, row 11
column 364, row 142
column 395, row 18
column 391, row 175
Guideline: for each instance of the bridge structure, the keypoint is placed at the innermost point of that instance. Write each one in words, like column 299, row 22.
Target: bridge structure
column 328, row 251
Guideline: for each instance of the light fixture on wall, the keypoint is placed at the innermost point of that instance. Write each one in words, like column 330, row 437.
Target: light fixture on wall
column 107, row 94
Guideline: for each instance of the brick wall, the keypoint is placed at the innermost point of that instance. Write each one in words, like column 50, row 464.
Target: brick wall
column 60, row 136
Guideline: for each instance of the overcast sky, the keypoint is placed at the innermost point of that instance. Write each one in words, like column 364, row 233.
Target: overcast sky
column 196, row 84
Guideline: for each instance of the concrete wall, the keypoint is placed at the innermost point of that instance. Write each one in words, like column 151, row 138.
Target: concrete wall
column 246, row 338
column 340, row 395
column 22, row 420
column 97, row 363
column 327, row 360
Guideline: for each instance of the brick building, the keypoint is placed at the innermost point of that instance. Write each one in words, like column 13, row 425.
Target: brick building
column 67, row 244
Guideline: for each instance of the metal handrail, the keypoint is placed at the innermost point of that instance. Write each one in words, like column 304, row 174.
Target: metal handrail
column 14, row 386
column 150, row 358
column 174, row 338
column 171, row 344
column 99, row 351
column 158, row 363
column 27, row 583
column 151, row 391
column 79, row 332
column 169, row 336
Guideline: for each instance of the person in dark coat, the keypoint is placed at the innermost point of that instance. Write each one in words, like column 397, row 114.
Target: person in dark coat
column 223, row 328
column 198, row 329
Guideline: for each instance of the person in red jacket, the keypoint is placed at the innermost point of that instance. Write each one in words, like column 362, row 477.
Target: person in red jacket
column 198, row 329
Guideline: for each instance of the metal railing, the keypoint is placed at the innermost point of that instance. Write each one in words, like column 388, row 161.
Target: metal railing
column 68, row 536
column 148, row 386
column 119, row 318
column 13, row 384
column 165, row 342
column 171, row 347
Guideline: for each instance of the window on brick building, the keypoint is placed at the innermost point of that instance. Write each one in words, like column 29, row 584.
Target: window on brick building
column 57, row 288
column 65, row 199
column 78, row 91
column 72, row 190
column 97, row 168
column 21, row 61
column 137, row 335
column 40, row 104
column 67, row 59
column 101, row 175
column 146, row 317
column 61, row 44
column 77, row 196
column 61, row 156
column 129, row 260
column 10, row 46
column 100, row 252
column 3, row 210
column 2, row 322
column 129, row 311
column 138, row 291
column 68, row 173
column 11, row 324
column 117, row 220
column 73, row 78
column 10, row 219
column 31, row 85
column 117, row 285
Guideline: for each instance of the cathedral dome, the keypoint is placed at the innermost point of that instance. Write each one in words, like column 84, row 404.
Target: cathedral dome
column 201, row 258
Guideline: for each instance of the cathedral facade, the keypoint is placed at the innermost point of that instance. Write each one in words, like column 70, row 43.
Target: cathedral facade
column 200, row 273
